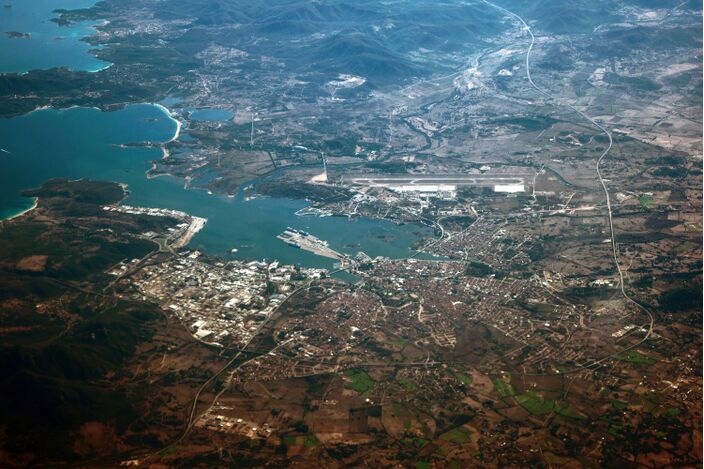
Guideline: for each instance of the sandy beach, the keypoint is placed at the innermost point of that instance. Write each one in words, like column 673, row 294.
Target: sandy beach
column 171, row 115
column 34, row 205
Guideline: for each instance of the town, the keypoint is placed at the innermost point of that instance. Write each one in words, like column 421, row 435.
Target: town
column 221, row 303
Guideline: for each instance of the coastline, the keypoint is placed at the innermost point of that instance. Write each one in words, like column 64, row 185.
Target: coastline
column 170, row 115
column 68, row 108
column 43, row 24
column 27, row 210
column 161, row 107
column 101, row 68
column 196, row 224
column 150, row 172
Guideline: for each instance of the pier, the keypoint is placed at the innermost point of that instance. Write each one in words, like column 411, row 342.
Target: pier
column 303, row 240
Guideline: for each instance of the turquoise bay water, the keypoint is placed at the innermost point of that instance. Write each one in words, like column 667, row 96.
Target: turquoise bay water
column 75, row 143
column 49, row 45
column 83, row 142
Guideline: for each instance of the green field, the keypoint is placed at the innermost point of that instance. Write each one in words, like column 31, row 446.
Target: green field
column 504, row 389
column 535, row 404
column 168, row 451
column 619, row 404
column 309, row 441
column 399, row 342
column 563, row 409
column 650, row 402
column 407, row 384
column 361, row 381
column 463, row 378
column 415, row 441
column 616, row 429
column 645, row 201
column 457, row 435
column 635, row 357
column 163, row 244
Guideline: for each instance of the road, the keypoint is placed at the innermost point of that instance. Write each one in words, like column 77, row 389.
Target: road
column 601, row 158
column 194, row 406
column 604, row 154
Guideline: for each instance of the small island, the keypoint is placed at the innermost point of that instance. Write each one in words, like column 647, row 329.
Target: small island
column 17, row 35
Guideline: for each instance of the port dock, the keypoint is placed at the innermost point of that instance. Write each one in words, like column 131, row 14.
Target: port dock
column 303, row 240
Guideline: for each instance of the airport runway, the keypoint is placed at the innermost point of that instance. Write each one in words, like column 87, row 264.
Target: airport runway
column 469, row 180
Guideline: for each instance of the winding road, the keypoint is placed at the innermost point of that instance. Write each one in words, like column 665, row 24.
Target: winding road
column 601, row 158
column 551, row 98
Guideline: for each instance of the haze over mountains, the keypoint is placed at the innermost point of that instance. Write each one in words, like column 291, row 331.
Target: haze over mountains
column 387, row 42
column 391, row 42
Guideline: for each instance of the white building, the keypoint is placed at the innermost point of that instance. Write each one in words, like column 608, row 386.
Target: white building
column 509, row 188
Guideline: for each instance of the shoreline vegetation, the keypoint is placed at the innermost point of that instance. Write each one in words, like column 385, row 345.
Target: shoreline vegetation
column 195, row 224
column 171, row 115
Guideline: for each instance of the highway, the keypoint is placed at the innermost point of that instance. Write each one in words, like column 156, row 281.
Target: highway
column 473, row 180
column 601, row 158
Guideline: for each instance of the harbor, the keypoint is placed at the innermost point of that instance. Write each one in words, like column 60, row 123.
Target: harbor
column 73, row 157
column 303, row 240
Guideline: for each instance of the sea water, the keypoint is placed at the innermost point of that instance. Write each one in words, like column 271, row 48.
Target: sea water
column 48, row 45
column 88, row 143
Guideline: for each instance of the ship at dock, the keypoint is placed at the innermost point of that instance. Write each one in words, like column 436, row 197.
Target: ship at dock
column 301, row 239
